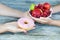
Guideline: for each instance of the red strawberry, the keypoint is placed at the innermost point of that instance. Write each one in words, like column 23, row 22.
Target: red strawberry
column 46, row 13
column 46, row 6
column 40, row 6
column 36, row 13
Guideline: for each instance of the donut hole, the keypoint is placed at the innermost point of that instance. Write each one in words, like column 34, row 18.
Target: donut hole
column 25, row 22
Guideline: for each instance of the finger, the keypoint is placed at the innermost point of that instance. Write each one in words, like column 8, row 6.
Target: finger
column 21, row 30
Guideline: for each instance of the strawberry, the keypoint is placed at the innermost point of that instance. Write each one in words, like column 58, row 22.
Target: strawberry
column 40, row 6
column 47, row 13
column 36, row 13
column 46, row 6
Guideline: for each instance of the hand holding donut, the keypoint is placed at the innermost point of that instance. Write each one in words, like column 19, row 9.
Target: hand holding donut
column 22, row 25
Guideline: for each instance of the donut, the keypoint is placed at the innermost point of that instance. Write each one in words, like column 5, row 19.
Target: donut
column 26, row 23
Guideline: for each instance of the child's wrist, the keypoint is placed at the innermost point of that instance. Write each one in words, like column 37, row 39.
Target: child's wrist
column 50, row 22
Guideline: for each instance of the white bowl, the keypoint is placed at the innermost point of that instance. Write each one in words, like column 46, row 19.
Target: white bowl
column 38, row 18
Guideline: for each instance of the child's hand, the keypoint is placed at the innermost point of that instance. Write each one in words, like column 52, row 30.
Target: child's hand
column 13, row 27
column 43, row 20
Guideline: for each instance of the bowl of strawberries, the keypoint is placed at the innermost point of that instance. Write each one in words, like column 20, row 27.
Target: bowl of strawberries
column 40, row 10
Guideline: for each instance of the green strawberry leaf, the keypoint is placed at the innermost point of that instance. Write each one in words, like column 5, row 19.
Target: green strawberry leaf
column 32, row 6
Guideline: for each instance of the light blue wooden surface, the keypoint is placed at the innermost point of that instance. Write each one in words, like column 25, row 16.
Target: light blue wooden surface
column 42, row 32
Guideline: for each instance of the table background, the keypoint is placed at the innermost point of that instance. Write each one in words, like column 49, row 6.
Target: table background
column 42, row 32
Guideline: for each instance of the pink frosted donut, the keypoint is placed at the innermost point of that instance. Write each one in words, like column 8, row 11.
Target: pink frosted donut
column 26, row 23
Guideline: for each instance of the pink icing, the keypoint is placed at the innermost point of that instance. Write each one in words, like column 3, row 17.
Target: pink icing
column 28, row 25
